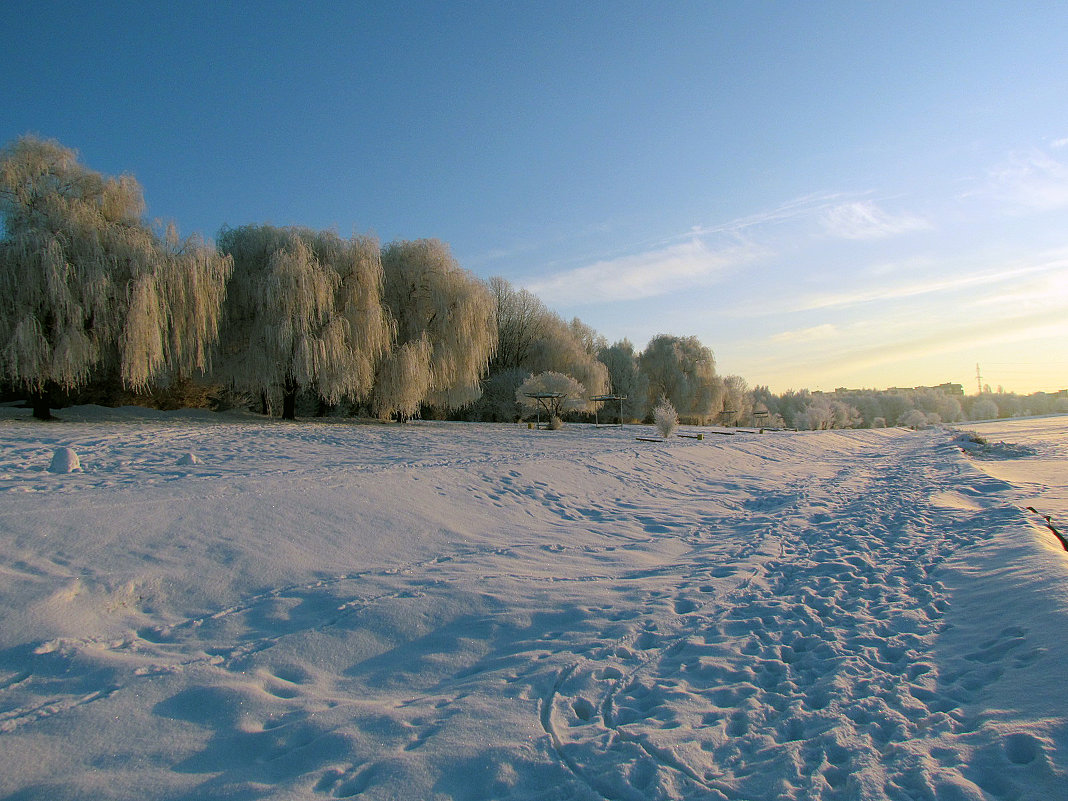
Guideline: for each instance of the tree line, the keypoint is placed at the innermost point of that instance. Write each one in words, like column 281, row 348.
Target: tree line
column 102, row 306
column 914, row 408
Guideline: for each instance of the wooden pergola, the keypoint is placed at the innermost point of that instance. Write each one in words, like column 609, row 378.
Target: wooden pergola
column 545, row 401
column 619, row 398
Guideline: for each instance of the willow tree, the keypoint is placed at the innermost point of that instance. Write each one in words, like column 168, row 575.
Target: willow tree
column 737, row 400
column 446, row 332
column 87, row 286
column 682, row 370
column 625, row 378
column 303, row 310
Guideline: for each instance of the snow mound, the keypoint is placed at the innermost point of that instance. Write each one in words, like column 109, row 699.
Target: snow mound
column 64, row 460
column 189, row 458
column 977, row 446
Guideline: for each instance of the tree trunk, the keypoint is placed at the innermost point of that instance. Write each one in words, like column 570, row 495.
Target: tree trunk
column 265, row 404
column 289, row 400
column 42, row 410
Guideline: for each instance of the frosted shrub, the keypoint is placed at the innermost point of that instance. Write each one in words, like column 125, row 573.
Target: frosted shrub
column 666, row 418
column 913, row 419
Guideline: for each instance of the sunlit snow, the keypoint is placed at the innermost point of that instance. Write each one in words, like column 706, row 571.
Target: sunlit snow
column 327, row 609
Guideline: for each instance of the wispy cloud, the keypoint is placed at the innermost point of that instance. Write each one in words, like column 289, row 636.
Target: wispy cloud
column 648, row 274
column 927, row 285
column 700, row 256
column 1032, row 180
column 805, row 206
column 865, row 220
column 802, row 335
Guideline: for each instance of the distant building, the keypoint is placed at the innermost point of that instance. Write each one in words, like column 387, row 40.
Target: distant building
column 948, row 389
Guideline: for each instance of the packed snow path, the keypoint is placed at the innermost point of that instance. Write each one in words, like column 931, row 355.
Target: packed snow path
column 473, row 612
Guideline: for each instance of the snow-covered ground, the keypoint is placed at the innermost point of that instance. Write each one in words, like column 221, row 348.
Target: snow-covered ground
column 457, row 611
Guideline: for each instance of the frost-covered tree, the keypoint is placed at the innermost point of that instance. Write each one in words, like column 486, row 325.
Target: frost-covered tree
column 937, row 402
column 826, row 413
column 566, row 393
column 665, row 418
column 984, row 409
column 304, row 310
column 737, row 398
column 917, row 418
column 498, row 402
column 626, row 379
column 445, row 330
column 88, row 286
column 587, row 337
column 534, row 339
column 683, row 370
column 564, row 349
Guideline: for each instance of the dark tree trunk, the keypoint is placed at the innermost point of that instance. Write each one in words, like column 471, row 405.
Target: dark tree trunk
column 42, row 409
column 289, row 400
column 265, row 404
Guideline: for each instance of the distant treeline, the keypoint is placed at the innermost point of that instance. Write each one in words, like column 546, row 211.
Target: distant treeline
column 869, row 408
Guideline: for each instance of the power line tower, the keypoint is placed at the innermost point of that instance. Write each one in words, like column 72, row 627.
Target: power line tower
column 978, row 379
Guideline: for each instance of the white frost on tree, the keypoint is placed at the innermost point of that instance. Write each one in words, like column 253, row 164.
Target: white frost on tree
column 825, row 413
column 534, row 339
column 683, row 370
column 304, row 310
column 665, row 418
column 737, row 399
column 445, row 330
column 626, row 379
column 984, row 409
column 88, row 286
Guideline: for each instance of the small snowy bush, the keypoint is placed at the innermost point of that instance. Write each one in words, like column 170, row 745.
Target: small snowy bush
column 666, row 418
column 913, row 419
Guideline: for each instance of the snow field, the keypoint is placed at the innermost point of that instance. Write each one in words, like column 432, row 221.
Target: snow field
column 328, row 610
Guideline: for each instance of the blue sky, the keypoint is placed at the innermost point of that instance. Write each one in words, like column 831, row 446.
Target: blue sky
column 826, row 194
